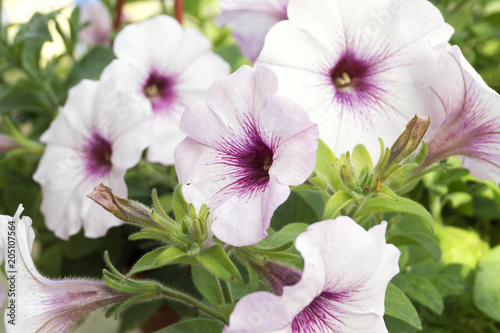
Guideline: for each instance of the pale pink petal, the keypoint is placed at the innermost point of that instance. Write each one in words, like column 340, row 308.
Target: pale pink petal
column 99, row 18
column 250, row 21
column 467, row 114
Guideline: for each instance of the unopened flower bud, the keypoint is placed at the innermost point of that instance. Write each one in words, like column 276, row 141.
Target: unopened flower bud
column 7, row 143
column 409, row 140
column 126, row 210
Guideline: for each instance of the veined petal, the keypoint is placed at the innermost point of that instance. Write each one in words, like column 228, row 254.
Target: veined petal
column 98, row 134
column 357, row 67
column 342, row 289
column 467, row 114
column 44, row 305
column 231, row 158
column 169, row 75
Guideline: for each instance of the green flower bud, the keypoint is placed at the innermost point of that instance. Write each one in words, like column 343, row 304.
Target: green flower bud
column 127, row 210
column 409, row 140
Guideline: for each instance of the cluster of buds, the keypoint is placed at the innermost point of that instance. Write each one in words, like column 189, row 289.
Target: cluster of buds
column 188, row 231
column 354, row 172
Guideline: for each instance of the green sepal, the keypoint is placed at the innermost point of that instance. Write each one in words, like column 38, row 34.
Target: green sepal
column 180, row 205
column 417, row 238
column 361, row 158
column 319, row 181
column 285, row 258
column 398, row 305
column 338, row 201
column 325, row 162
column 216, row 261
column 128, row 286
column 382, row 204
column 151, row 233
column 136, row 299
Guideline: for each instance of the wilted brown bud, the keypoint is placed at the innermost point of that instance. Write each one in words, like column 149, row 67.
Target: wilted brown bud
column 126, row 210
column 409, row 140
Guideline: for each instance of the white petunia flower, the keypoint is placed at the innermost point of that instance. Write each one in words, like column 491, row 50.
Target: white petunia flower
column 342, row 289
column 96, row 137
column 360, row 68
column 168, row 67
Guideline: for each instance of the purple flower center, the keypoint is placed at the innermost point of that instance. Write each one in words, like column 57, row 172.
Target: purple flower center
column 349, row 73
column 320, row 315
column 160, row 90
column 249, row 159
column 97, row 155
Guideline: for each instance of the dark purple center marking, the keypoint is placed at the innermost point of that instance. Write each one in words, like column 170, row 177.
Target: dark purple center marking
column 160, row 90
column 349, row 73
column 97, row 156
column 248, row 160
column 321, row 315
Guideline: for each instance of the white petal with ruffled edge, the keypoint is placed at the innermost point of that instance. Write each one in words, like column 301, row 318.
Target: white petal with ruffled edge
column 96, row 137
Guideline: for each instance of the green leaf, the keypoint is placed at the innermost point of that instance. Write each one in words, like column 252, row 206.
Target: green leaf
column 397, row 305
column 458, row 198
column 387, row 193
column 460, row 246
column 36, row 29
column 207, row 284
column 216, row 261
column 194, row 325
column 487, row 284
column 180, row 205
column 417, row 238
column 382, row 204
column 90, row 66
column 159, row 257
column 287, row 233
column 338, row 201
column 280, row 248
column 23, row 98
column 424, row 292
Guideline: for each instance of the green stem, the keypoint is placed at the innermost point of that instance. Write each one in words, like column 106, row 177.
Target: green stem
column 435, row 207
column 163, row 7
column 179, row 296
column 225, row 291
